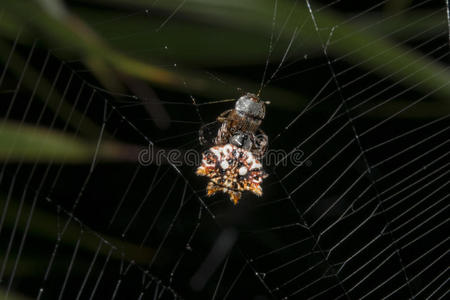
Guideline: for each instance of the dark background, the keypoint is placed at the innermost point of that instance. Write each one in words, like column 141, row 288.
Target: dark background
column 104, row 227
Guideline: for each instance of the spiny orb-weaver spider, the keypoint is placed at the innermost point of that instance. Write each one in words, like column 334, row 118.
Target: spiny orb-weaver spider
column 232, row 163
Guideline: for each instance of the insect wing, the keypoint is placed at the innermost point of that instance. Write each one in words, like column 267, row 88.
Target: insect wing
column 208, row 133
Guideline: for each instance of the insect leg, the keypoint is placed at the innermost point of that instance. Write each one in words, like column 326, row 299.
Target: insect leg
column 223, row 116
column 201, row 134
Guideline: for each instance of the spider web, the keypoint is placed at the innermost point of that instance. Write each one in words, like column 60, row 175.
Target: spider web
column 362, row 214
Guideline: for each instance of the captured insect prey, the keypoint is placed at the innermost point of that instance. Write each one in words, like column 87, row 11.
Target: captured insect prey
column 232, row 162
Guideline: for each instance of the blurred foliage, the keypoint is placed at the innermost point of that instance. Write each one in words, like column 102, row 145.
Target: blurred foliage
column 44, row 227
column 235, row 32
column 19, row 142
column 12, row 296
column 230, row 33
column 224, row 33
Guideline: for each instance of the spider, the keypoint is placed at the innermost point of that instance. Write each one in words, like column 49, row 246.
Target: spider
column 231, row 170
column 240, row 126
column 232, row 160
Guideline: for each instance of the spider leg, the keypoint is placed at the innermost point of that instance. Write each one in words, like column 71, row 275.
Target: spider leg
column 223, row 116
column 223, row 135
column 261, row 143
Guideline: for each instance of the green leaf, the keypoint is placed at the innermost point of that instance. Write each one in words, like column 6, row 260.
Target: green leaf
column 44, row 226
column 22, row 142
